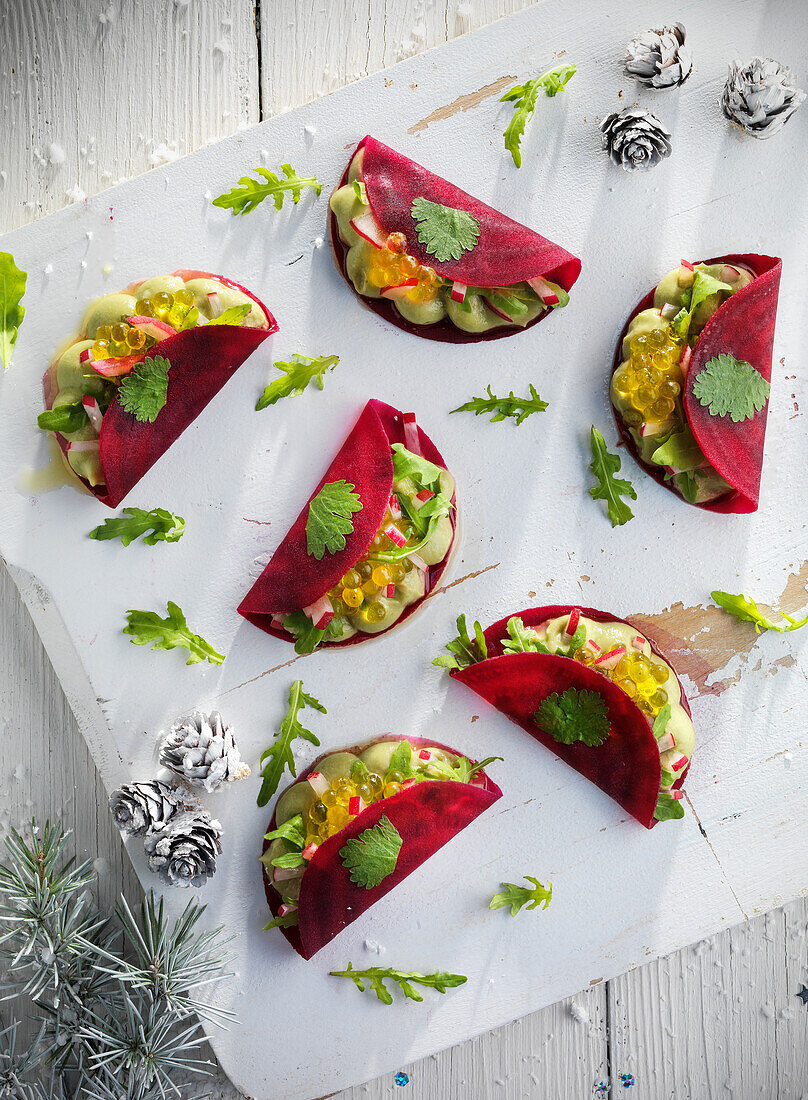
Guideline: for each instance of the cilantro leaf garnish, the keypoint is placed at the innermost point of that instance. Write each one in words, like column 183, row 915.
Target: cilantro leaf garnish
column 464, row 651
column 604, row 466
column 146, row 627
column 522, row 639
column 299, row 373
column 245, row 198
column 65, row 418
column 668, row 808
column 523, row 97
column 163, row 525
column 661, row 721
column 746, row 610
column 12, row 288
column 144, row 391
column 574, row 716
column 519, row 408
column 729, row 386
column 519, row 896
column 279, row 754
column 376, row 976
column 372, row 856
column 233, row 315
column 329, row 519
column 444, row 232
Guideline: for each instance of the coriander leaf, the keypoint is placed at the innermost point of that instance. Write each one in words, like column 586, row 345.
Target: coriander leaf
column 279, row 754
column 244, row 199
column 163, row 525
column 233, row 315
column 401, row 760
column 729, row 386
column 297, row 375
column 170, row 633
column 292, row 831
column 330, row 518
column 604, row 466
column 575, row 716
column 523, row 97
column 661, row 721
column 519, row 407
column 522, row 639
column 64, row 418
column 464, row 651
column 144, row 391
column 519, row 896
column 444, row 232
column 372, row 856
column 288, row 920
column 12, row 288
column 376, row 976
column 746, row 610
column 668, row 808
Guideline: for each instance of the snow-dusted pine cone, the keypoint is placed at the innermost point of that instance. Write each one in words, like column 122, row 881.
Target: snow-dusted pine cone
column 760, row 97
column 184, row 852
column 140, row 808
column 635, row 139
column 201, row 749
column 660, row 58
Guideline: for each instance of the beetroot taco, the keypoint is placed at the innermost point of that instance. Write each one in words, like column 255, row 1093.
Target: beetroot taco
column 144, row 364
column 369, row 546
column 356, row 824
column 691, row 379
column 435, row 261
column 587, row 686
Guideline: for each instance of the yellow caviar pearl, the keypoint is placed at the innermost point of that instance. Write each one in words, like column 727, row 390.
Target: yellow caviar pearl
column 623, row 383
column 378, row 277
column 143, row 307
column 184, row 297
column 364, row 792
column 380, row 576
column 365, row 570
column 657, row 339
column 370, row 588
column 621, row 669
column 375, row 612
column 351, row 579
column 396, row 242
column 161, row 304
column 337, row 605
column 329, row 798
column 662, row 408
column 176, row 315
column 659, row 672
column 376, row 783
column 391, row 789
column 352, row 597
column 337, row 816
column 670, row 388
column 396, row 572
column 100, row 349
column 104, row 332
column 118, row 334
column 318, row 812
column 627, row 686
column 408, row 266
column 343, row 784
column 633, row 418
column 135, row 339
column 117, row 351
column 658, row 700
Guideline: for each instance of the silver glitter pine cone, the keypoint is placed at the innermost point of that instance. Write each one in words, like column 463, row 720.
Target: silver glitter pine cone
column 201, row 749
column 760, row 96
column 635, row 139
column 140, row 808
column 184, row 852
column 659, row 58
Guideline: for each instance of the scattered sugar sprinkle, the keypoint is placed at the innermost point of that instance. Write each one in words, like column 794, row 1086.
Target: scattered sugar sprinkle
column 47, row 269
column 579, row 1013
column 318, row 242
column 374, row 946
column 75, row 194
column 164, row 154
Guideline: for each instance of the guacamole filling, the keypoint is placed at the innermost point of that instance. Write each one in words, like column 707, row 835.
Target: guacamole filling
column 415, row 535
column 115, row 333
column 625, row 657
column 646, row 388
column 315, row 808
column 378, row 265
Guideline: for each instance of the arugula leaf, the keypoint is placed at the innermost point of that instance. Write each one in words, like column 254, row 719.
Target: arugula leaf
column 444, row 232
column 359, row 771
column 288, row 920
column 668, row 808
column 244, row 199
column 704, row 285
column 233, row 315
column 293, row 831
column 370, row 857
column 523, row 97
column 144, row 391
column 729, row 386
column 575, row 716
column 424, row 473
column 375, row 976
column 661, row 721
column 463, row 772
column 12, row 288
column 687, row 482
column 163, row 525
column 279, row 754
column 64, row 418
column 289, row 860
column 519, row 896
column 330, row 518
column 170, row 633
column 522, row 639
column 307, row 636
column 360, row 192
column 746, row 610
column 464, row 651
column 681, row 451
column 299, row 373
column 519, row 407
column 604, row 466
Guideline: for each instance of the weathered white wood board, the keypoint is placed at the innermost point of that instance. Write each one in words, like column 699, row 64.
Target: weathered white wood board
column 774, row 564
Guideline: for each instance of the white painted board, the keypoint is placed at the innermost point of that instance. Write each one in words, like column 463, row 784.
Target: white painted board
column 622, row 895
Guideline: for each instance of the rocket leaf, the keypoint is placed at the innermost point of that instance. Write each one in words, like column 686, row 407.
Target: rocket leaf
column 604, row 466
column 12, row 288
column 279, row 754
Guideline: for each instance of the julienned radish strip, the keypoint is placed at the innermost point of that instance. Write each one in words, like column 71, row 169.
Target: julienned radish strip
column 368, row 227
column 286, row 908
column 574, row 619
column 390, row 591
column 84, row 445
column 321, row 613
column 418, row 562
column 158, row 330
column 318, row 783
column 678, row 763
column 638, row 641
column 495, row 309
column 666, row 742
column 395, row 535
column 94, row 414
column 684, row 359
column 394, row 506
column 544, row 291
column 412, row 440
column 459, row 292
column 283, row 874
column 399, row 290
column 610, row 659
column 422, row 497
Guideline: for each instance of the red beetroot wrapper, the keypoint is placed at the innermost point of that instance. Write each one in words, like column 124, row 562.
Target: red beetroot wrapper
column 426, row 815
column 202, row 360
column 294, row 579
column 627, row 765
column 506, row 251
column 744, row 328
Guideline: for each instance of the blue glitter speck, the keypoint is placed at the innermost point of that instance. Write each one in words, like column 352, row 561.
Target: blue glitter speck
column 600, row 1089
column 401, row 1078
column 626, row 1080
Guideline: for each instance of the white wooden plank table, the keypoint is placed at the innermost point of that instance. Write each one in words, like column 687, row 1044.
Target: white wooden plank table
column 97, row 91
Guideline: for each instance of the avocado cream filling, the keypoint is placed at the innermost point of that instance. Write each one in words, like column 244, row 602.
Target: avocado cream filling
column 378, row 272
column 646, row 389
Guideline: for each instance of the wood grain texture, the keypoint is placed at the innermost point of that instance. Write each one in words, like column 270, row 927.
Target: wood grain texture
column 97, row 91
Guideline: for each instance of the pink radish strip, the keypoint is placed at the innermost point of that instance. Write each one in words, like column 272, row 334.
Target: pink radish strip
column 356, row 805
column 412, row 440
column 400, row 290
column 459, row 292
column 687, row 264
column 610, row 659
column 407, row 783
column 395, row 507
column 284, row 909
column 152, row 327
column 390, row 591
column 321, row 613
column 368, row 227
column 668, row 311
column 729, row 274
column 677, row 764
column 85, row 445
column 666, row 742
column 684, row 359
column 309, row 851
column 677, row 795
column 395, row 535
column 215, row 302
column 424, row 754
column 418, row 562
column 574, row 619
column 544, row 290
column 277, row 622
column 593, row 645
column 638, row 641
column 93, row 412
column 318, row 783
column 283, row 874
column 653, row 427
